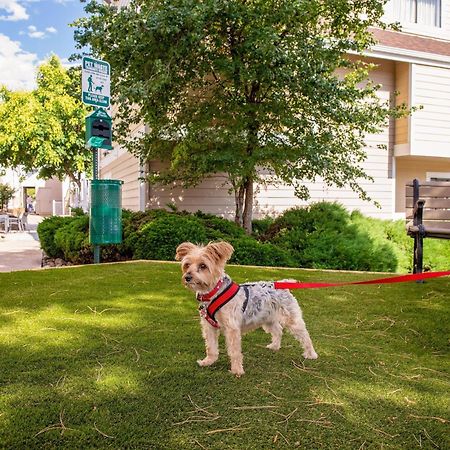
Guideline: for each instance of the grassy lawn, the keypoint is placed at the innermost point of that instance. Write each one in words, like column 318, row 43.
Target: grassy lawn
column 105, row 357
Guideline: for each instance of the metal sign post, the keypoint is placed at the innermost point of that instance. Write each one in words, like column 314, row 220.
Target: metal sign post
column 95, row 91
column 95, row 177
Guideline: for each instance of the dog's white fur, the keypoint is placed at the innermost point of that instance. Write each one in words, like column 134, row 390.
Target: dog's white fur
column 269, row 308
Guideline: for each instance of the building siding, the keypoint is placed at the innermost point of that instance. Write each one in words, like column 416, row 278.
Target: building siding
column 402, row 87
column 430, row 130
column 126, row 168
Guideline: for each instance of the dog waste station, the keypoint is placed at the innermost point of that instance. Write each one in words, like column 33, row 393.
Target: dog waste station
column 105, row 215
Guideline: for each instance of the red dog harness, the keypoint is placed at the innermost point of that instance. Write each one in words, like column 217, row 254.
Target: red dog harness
column 208, row 312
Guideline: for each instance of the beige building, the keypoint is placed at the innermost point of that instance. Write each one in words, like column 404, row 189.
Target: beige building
column 414, row 62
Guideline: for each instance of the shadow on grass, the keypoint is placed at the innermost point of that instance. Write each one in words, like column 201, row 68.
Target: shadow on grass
column 107, row 359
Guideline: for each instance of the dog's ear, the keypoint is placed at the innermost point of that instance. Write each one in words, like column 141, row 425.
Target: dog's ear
column 221, row 251
column 183, row 249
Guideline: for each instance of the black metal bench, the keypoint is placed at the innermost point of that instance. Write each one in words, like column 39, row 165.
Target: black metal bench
column 427, row 214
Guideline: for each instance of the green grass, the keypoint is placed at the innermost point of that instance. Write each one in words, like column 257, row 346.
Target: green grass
column 105, row 357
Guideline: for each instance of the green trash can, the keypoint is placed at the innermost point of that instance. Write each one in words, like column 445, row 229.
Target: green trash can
column 105, row 225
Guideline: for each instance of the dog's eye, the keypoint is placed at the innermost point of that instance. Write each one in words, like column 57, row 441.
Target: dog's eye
column 202, row 266
column 186, row 266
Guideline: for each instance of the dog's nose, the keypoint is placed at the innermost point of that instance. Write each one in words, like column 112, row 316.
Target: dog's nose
column 188, row 278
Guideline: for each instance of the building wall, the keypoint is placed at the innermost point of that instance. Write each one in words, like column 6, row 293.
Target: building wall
column 50, row 191
column 210, row 196
column 125, row 167
column 118, row 164
column 46, row 191
column 430, row 127
column 402, row 75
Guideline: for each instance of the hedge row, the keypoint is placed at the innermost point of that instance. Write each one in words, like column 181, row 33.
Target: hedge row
column 155, row 235
column 321, row 236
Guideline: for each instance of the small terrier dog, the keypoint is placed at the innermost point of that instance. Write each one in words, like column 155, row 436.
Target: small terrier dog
column 235, row 309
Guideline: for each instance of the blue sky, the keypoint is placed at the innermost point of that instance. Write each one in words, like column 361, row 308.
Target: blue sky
column 30, row 31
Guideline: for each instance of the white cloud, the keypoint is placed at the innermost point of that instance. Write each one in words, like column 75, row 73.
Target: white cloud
column 34, row 33
column 63, row 2
column 17, row 66
column 14, row 10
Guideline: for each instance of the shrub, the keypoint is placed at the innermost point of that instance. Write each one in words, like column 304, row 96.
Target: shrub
column 46, row 231
column 159, row 238
column 248, row 251
column 73, row 240
column 322, row 236
column 261, row 226
column 218, row 228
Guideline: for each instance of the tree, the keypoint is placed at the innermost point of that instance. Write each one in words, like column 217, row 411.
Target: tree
column 44, row 129
column 6, row 194
column 243, row 86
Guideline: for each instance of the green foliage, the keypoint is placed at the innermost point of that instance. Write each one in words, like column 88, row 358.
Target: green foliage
column 73, row 239
column 436, row 251
column 159, row 238
column 77, row 212
column 233, row 86
column 323, row 236
column 47, row 230
column 261, row 226
column 6, row 194
column 248, row 251
column 218, row 228
column 44, row 129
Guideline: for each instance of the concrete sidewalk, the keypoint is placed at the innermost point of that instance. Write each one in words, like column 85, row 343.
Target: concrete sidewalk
column 21, row 250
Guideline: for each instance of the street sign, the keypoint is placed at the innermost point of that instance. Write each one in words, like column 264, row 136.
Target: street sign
column 95, row 81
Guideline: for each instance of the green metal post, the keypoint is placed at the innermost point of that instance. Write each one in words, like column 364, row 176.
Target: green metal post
column 95, row 177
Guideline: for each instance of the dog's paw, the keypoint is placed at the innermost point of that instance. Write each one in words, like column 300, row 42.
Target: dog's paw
column 206, row 362
column 237, row 372
column 274, row 347
column 310, row 355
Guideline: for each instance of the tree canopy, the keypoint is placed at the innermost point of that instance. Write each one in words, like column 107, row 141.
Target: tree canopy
column 44, row 129
column 243, row 86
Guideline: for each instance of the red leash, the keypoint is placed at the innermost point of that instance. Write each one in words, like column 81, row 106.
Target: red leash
column 398, row 279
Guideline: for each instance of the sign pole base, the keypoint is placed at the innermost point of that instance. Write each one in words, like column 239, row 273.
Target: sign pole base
column 96, row 254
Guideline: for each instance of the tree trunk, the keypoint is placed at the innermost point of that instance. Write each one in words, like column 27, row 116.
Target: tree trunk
column 248, row 209
column 243, row 195
column 239, row 201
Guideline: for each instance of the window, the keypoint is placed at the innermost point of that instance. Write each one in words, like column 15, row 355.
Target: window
column 438, row 176
column 420, row 12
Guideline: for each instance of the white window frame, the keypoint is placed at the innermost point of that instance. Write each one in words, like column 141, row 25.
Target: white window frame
column 416, row 28
column 439, row 175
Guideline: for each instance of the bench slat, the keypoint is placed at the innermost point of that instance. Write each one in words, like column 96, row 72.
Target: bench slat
column 441, row 226
column 430, row 183
column 442, row 203
column 431, row 214
column 430, row 191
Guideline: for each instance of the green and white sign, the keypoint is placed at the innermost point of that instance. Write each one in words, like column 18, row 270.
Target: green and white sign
column 95, row 82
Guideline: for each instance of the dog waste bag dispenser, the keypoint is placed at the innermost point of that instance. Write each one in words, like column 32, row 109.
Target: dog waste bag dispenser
column 105, row 225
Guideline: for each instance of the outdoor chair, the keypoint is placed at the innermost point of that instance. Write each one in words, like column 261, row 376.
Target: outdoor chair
column 19, row 222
